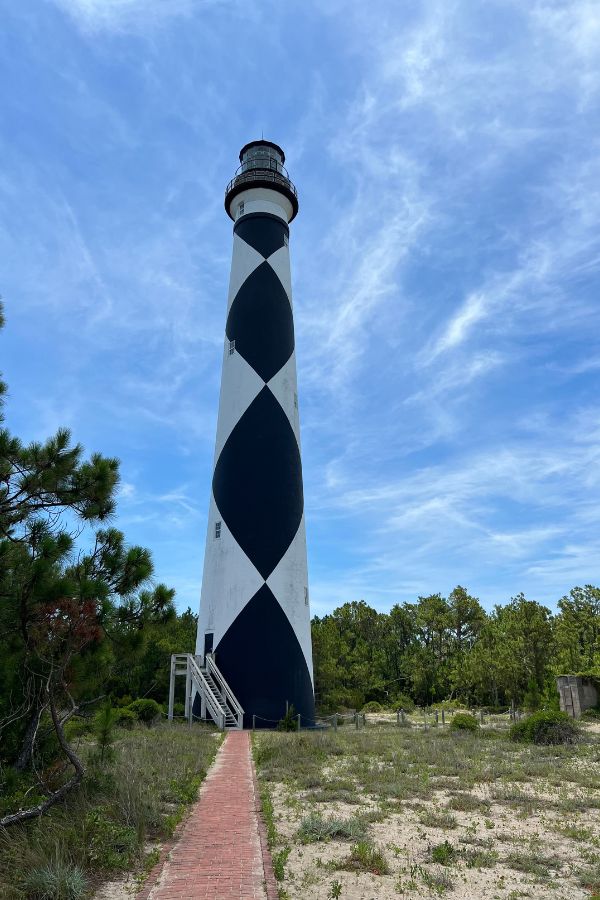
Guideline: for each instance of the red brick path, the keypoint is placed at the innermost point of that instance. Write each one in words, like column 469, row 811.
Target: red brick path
column 220, row 851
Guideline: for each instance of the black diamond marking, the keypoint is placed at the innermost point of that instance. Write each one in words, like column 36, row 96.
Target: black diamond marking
column 261, row 323
column 263, row 663
column 265, row 233
column 257, row 483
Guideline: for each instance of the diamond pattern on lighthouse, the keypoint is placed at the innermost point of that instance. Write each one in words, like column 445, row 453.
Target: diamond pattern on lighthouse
column 244, row 261
column 265, row 233
column 260, row 322
column 255, row 588
column 257, row 483
column 280, row 263
column 241, row 385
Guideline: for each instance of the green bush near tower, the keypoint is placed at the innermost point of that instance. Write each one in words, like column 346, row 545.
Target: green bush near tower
column 545, row 727
column 464, row 722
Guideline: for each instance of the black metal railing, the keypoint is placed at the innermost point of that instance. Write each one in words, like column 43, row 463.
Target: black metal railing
column 249, row 175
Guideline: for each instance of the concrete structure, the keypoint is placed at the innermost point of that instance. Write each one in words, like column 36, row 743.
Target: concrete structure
column 576, row 694
column 254, row 607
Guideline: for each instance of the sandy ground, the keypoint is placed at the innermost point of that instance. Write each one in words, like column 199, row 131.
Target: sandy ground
column 406, row 844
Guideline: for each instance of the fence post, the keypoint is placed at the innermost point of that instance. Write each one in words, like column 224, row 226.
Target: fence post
column 481, row 718
column 253, row 722
column 172, row 687
column 402, row 716
column 437, row 718
column 335, row 721
column 356, row 720
column 443, row 717
column 425, row 719
column 287, row 707
column 397, row 717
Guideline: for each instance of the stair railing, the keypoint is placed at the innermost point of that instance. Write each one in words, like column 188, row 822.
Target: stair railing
column 235, row 707
column 203, row 688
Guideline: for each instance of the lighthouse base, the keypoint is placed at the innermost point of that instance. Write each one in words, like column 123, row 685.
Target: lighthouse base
column 264, row 665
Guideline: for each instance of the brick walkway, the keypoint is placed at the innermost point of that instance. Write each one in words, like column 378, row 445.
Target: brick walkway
column 220, row 851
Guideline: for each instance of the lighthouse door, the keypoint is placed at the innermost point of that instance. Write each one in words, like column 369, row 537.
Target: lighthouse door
column 208, row 642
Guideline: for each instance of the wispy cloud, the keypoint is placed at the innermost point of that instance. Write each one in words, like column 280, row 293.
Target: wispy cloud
column 445, row 262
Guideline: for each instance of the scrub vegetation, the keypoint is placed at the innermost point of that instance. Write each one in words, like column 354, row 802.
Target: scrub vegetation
column 467, row 813
column 111, row 824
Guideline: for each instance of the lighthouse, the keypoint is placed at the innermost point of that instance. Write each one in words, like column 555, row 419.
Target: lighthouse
column 254, row 621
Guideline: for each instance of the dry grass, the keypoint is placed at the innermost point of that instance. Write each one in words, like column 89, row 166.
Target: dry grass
column 471, row 815
column 104, row 827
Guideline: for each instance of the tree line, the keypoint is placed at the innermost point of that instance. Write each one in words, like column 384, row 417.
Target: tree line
column 450, row 648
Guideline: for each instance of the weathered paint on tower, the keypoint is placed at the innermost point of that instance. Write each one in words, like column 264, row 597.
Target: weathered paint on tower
column 254, row 607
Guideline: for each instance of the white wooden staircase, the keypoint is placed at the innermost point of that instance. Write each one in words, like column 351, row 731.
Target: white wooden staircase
column 204, row 679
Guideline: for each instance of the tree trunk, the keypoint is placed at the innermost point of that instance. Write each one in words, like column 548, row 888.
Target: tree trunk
column 33, row 812
column 28, row 740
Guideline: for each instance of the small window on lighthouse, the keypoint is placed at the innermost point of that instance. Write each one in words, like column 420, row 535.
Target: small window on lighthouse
column 241, row 208
column 217, row 529
column 231, row 348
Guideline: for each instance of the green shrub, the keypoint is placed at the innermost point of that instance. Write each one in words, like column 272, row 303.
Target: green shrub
column 147, row 711
column 126, row 718
column 445, row 853
column 545, row 727
column 364, row 857
column 593, row 714
column 55, row 881
column 403, row 701
column 289, row 721
column 464, row 722
column 372, row 706
column 123, row 701
column 110, row 845
column 280, row 858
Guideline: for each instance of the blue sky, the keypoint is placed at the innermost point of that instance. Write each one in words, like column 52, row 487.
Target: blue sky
column 445, row 263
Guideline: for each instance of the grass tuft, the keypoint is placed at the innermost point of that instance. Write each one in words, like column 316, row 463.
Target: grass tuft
column 316, row 828
column 365, row 857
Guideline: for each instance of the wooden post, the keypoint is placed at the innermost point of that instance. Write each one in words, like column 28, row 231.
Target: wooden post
column 287, row 707
column 437, row 718
column 356, row 720
column 481, row 718
column 398, row 717
column 299, row 721
column 402, row 716
column 335, row 721
column 364, row 715
column 425, row 719
column 253, row 722
column 172, row 687
column 443, row 717
column 188, row 691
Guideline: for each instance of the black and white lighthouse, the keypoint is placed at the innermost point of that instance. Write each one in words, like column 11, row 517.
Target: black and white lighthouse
column 254, row 606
